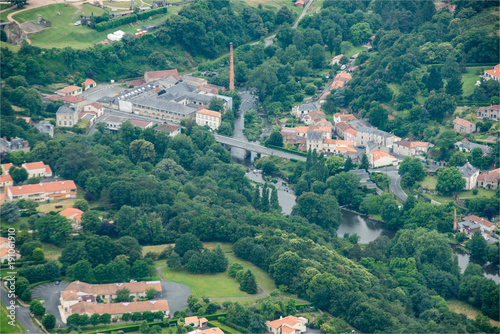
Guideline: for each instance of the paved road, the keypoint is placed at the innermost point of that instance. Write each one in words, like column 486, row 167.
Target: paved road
column 296, row 24
column 395, row 185
column 22, row 314
column 50, row 293
column 175, row 293
column 95, row 93
column 256, row 147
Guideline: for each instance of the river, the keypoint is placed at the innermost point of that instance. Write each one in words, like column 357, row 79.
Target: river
column 367, row 229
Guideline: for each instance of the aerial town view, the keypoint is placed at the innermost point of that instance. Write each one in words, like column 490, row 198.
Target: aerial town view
column 249, row 166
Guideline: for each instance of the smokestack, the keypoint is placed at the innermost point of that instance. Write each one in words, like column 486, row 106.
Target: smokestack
column 231, row 67
column 455, row 220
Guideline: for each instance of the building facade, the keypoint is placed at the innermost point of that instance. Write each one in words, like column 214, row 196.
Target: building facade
column 210, row 118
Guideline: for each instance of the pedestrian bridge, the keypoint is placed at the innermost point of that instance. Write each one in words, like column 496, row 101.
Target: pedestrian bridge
column 253, row 147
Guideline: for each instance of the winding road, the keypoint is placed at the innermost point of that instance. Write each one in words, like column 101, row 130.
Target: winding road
column 22, row 313
column 395, row 185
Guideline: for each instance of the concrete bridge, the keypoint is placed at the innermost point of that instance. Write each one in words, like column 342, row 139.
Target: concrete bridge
column 253, row 147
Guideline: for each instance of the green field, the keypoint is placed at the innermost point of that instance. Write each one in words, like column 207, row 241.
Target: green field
column 5, row 328
column 221, row 284
column 64, row 33
column 354, row 50
column 470, row 78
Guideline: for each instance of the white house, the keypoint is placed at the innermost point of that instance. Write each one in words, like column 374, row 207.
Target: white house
column 379, row 158
column 208, row 117
column 470, row 174
column 37, row 169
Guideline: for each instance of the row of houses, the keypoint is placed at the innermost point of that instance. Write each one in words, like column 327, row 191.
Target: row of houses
column 473, row 178
column 58, row 190
column 464, row 126
column 472, row 223
column 81, row 298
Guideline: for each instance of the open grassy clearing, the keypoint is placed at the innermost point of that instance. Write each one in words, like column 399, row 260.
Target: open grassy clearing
column 471, row 312
column 214, row 285
column 470, row 78
column 3, row 16
column 274, row 3
column 430, row 183
column 52, row 252
column 206, row 285
column 5, row 327
column 354, row 50
column 64, row 33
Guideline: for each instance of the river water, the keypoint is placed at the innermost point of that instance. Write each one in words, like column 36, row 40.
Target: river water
column 367, row 229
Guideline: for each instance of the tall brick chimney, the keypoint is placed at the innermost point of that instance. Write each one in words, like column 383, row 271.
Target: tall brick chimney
column 231, row 67
column 455, row 220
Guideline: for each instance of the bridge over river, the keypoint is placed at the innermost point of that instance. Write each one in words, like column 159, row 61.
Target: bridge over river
column 253, row 147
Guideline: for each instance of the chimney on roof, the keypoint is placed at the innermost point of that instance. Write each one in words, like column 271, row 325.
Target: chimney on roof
column 231, row 67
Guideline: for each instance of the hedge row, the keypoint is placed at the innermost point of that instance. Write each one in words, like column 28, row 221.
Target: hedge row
column 129, row 19
column 474, row 103
column 225, row 329
column 135, row 327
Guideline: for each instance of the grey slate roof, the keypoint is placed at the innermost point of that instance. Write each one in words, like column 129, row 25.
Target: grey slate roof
column 470, row 146
column 469, row 224
column 307, row 106
column 314, row 135
column 358, row 123
column 374, row 131
column 66, row 110
column 44, row 127
column 467, row 170
column 163, row 105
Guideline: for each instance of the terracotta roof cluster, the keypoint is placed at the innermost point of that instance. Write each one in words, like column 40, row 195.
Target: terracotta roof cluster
column 3, row 240
column 209, row 113
column 343, row 76
column 6, row 167
column 344, row 117
column 462, row 122
column 343, row 126
column 48, row 187
column 479, row 220
column 36, row 165
column 67, row 98
column 212, row 330
column 110, row 289
column 491, row 176
column 120, row 308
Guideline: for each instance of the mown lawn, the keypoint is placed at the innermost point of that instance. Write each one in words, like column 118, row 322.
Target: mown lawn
column 5, row 328
column 470, row 78
column 471, row 312
column 64, row 33
column 52, row 252
column 354, row 50
column 220, row 284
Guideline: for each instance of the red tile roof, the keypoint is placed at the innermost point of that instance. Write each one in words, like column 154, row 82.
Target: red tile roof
column 380, row 154
column 491, row 176
column 95, row 105
column 89, row 82
column 495, row 107
column 495, row 71
column 72, row 213
column 412, row 144
column 120, row 308
column 6, row 178
column 209, row 113
column 462, row 122
column 140, row 123
column 167, row 127
column 479, row 220
column 43, row 188
column 69, row 89
column 343, row 77
column 135, row 83
column 162, row 74
column 343, row 126
column 72, row 99
column 34, row 165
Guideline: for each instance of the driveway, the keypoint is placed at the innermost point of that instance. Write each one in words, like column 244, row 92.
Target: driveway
column 50, row 293
column 175, row 293
column 22, row 314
